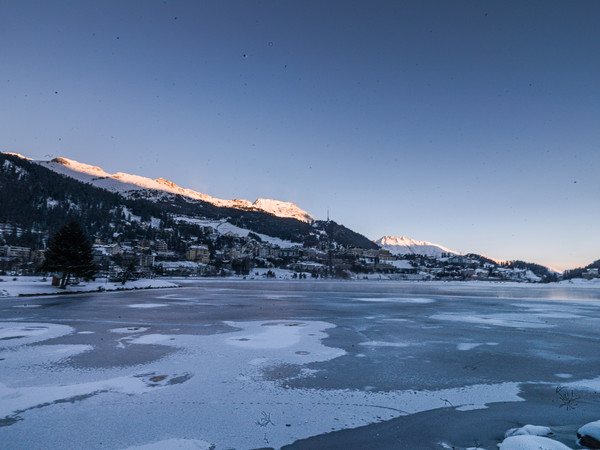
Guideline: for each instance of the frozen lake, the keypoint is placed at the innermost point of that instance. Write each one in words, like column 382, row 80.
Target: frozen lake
column 251, row 364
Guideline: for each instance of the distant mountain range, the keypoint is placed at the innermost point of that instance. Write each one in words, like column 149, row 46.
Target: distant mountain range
column 38, row 196
column 136, row 186
column 132, row 185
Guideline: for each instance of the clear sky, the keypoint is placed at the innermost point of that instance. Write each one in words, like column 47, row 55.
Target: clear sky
column 472, row 124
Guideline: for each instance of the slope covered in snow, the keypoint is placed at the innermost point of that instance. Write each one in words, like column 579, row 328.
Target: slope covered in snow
column 126, row 184
column 282, row 209
column 400, row 245
column 224, row 227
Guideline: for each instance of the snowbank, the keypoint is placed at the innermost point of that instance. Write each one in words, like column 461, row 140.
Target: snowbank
column 26, row 286
column 529, row 442
column 529, row 430
column 589, row 435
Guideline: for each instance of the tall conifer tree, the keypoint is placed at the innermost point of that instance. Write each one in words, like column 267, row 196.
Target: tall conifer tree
column 70, row 253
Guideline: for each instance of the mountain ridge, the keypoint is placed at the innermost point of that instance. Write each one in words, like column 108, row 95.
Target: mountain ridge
column 38, row 199
column 127, row 184
column 402, row 245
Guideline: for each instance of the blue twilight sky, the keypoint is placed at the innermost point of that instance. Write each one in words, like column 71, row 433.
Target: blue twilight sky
column 472, row 124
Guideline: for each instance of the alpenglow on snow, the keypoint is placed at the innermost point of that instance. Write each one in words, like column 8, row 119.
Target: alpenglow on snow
column 125, row 184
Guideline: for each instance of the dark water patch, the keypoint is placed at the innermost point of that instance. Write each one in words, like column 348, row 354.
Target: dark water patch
column 106, row 355
column 179, row 379
column 482, row 428
column 155, row 380
column 10, row 420
column 74, row 399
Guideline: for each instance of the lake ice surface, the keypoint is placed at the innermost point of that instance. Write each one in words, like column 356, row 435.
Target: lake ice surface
column 267, row 364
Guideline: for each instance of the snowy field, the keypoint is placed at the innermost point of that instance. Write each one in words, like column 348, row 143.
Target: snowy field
column 251, row 364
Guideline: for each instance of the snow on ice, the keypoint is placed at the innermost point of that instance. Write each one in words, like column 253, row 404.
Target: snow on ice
column 222, row 372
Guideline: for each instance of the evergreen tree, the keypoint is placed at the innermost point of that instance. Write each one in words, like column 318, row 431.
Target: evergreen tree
column 70, row 252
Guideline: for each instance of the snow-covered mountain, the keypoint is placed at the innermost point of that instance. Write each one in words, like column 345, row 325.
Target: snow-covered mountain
column 127, row 184
column 400, row 245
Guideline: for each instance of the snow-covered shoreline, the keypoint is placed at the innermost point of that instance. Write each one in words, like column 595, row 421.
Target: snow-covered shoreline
column 31, row 286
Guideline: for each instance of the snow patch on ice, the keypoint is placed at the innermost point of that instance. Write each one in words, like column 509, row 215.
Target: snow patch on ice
column 464, row 346
column 275, row 335
column 129, row 330
column 175, row 444
column 34, row 356
column 512, row 320
column 176, row 297
column 415, row 300
column 153, row 339
column 258, row 361
column 592, row 384
column 384, row 344
column 13, row 334
column 148, row 305
column 19, row 399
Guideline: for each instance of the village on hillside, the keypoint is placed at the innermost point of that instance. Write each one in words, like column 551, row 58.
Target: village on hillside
column 233, row 255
